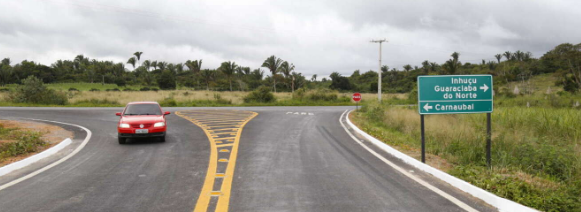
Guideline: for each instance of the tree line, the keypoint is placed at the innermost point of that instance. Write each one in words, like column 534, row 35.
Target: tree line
column 139, row 71
column 564, row 61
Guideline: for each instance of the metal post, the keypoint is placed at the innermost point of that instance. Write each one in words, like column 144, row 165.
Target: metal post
column 423, row 140
column 488, row 140
column 356, row 105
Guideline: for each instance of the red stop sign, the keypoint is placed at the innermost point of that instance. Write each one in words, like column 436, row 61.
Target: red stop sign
column 356, row 97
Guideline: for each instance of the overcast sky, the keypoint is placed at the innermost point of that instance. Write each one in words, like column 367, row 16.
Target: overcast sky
column 319, row 37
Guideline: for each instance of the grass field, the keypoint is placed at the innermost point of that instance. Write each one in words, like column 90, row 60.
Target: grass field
column 536, row 152
column 85, row 97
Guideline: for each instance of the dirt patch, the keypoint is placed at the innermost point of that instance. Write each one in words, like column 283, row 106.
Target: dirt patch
column 51, row 134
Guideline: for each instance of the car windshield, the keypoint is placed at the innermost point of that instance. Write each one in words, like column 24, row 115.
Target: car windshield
column 142, row 109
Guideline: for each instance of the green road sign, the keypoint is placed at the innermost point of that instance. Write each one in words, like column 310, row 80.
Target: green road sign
column 448, row 94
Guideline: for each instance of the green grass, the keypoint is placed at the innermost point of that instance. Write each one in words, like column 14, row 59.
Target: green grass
column 536, row 152
column 84, row 86
column 24, row 142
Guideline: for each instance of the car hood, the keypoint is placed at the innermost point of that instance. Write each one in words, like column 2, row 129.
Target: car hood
column 142, row 119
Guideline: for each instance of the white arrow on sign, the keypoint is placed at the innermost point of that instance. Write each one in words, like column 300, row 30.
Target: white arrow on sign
column 484, row 87
column 427, row 107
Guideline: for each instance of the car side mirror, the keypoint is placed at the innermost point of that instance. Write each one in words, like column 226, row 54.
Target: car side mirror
column 166, row 113
column 118, row 114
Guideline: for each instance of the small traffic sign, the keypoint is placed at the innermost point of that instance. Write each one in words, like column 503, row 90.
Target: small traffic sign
column 449, row 94
column 357, row 97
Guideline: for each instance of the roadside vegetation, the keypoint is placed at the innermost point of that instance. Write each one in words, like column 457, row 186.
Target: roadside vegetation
column 536, row 152
column 15, row 142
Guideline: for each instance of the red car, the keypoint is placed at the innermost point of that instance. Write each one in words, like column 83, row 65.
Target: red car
column 142, row 120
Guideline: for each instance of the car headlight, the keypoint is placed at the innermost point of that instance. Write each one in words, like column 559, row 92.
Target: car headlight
column 159, row 124
column 122, row 125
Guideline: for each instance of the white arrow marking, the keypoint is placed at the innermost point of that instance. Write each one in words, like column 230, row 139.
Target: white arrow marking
column 427, row 107
column 484, row 87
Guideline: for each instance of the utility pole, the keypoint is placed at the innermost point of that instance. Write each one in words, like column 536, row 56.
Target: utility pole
column 379, row 70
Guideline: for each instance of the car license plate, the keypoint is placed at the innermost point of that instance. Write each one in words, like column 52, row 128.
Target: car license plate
column 141, row 131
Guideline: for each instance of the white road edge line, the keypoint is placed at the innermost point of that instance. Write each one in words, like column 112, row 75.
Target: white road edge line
column 77, row 150
column 404, row 172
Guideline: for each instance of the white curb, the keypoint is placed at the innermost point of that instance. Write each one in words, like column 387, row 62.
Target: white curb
column 503, row 205
column 32, row 159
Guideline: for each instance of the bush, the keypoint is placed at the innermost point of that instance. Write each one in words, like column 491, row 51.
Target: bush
column 4, row 89
column 262, row 94
column 155, row 89
column 120, row 82
column 166, row 80
column 318, row 95
column 97, row 102
column 115, row 89
column 128, row 89
column 34, row 91
column 73, row 89
column 168, row 102
column 144, row 89
column 94, row 89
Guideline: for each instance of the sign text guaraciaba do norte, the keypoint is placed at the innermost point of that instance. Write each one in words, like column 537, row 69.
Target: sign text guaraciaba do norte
column 449, row 94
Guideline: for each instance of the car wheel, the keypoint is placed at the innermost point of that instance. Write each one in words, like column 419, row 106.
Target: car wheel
column 122, row 140
column 162, row 139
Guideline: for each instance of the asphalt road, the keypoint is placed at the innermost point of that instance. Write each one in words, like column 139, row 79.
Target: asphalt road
column 284, row 159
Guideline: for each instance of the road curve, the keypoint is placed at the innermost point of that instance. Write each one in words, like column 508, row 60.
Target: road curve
column 288, row 159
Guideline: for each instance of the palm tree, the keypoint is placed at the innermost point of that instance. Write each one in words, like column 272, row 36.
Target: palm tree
column 154, row 64
column 507, row 54
column 433, row 67
column 407, row 67
column 132, row 61
column 426, row 66
column 286, row 70
column 273, row 65
column 498, row 57
column 207, row 75
column 147, row 64
column 314, row 78
column 138, row 55
column 161, row 65
column 228, row 69
column 453, row 64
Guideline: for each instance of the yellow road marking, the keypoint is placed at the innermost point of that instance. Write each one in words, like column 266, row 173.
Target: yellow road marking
column 209, row 120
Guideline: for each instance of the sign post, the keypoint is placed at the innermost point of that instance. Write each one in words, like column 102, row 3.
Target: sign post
column 455, row 94
column 356, row 98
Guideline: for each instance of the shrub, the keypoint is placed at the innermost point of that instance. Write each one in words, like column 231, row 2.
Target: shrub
column 73, row 89
column 166, row 80
column 4, row 89
column 168, row 102
column 322, row 95
column 144, row 89
column 94, row 89
column 115, row 89
column 97, row 102
column 128, row 89
column 34, row 91
column 155, row 89
column 262, row 94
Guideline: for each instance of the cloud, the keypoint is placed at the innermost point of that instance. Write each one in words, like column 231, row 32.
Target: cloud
column 319, row 37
